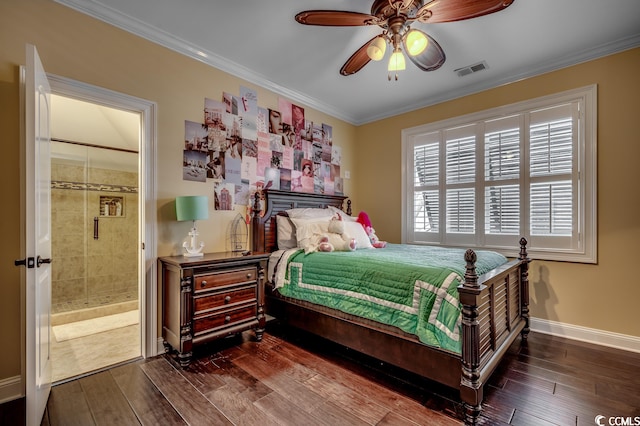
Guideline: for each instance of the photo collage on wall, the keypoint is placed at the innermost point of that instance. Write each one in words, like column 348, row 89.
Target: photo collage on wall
column 241, row 148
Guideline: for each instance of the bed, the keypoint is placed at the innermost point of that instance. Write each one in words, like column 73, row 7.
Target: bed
column 493, row 309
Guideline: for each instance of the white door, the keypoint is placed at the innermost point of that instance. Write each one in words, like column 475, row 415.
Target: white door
column 38, row 238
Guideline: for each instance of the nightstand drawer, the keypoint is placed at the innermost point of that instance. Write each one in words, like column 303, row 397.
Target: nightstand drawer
column 223, row 278
column 224, row 319
column 227, row 298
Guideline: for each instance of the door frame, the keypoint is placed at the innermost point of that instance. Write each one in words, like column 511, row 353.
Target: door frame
column 147, row 278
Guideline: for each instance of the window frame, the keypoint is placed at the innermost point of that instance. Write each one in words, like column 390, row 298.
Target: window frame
column 584, row 235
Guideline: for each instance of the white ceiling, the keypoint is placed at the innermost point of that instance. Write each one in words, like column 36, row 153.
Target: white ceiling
column 260, row 41
column 87, row 126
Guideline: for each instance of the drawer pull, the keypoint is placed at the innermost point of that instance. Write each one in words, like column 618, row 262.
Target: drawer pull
column 227, row 299
column 203, row 283
column 249, row 275
column 227, row 319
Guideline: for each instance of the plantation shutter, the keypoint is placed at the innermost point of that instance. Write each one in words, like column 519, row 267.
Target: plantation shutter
column 460, row 184
column 484, row 180
column 426, row 203
column 502, row 187
column 553, row 175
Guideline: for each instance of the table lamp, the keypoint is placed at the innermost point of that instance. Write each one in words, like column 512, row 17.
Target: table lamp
column 193, row 208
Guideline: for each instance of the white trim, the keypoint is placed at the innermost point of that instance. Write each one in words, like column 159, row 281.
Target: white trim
column 199, row 53
column 584, row 245
column 135, row 26
column 584, row 334
column 148, row 212
column 23, row 227
column 10, row 389
column 160, row 346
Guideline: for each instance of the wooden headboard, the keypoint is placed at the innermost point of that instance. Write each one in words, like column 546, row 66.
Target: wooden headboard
column 263, row 228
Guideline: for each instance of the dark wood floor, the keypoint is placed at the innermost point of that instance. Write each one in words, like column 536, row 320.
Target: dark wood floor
column 291, row 379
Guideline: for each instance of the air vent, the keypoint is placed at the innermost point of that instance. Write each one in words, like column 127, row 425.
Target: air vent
column 471, row 69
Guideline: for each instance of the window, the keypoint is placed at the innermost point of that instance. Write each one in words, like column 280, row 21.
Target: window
column 485, row 179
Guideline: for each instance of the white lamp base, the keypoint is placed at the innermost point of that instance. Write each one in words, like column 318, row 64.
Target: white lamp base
column 192, row 249
column 193, row 254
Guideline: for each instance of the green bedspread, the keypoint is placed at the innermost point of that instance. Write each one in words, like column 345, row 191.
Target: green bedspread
column 411, row 287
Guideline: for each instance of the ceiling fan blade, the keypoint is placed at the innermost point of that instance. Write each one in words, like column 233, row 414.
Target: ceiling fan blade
column 334, row 18
column 431, row 59
column 458, row 10
column 357, row 61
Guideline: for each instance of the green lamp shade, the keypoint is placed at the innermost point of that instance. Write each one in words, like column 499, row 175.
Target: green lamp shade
column 195, row 207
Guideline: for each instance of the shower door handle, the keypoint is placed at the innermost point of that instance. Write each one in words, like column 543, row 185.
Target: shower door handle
column 95, row 228
column 40, row 261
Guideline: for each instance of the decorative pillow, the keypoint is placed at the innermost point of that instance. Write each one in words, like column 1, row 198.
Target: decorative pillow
column 342, row 214
column 309, row 213
column 286, row 233
column 355, row 230
column 308, row 232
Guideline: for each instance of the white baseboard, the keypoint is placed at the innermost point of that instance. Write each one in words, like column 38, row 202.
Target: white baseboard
column 160, row 346
column 10, row 389
column 591, row 335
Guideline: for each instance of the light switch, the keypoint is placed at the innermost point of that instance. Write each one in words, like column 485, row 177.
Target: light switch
column 347, row 174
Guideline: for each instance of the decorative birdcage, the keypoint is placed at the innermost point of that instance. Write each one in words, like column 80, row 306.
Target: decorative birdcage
column 238, row 235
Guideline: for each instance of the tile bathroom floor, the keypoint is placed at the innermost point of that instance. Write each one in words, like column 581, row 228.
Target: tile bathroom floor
column 76, row 357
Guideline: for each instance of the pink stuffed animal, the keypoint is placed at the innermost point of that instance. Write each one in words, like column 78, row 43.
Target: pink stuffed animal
column 363, row 219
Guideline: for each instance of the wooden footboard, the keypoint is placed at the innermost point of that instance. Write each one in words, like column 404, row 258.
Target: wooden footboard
column 495, row 310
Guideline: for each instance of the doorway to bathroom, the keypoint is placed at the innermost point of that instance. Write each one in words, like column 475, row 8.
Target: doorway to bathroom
column 96, row 237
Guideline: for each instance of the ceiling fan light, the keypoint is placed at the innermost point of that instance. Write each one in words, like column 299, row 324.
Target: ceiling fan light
column 377, row 48
column 397, row 62
column 416, row 42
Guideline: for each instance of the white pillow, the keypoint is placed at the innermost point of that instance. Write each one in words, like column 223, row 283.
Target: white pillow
column 307, row 231
column 342, row 214
column 355, row 230
column 309, row 213
column 286, row 233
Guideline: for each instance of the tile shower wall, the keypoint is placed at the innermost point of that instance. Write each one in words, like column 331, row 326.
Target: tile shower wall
column 90, row 272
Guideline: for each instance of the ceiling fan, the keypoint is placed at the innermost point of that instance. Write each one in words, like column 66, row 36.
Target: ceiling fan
column 395, row 18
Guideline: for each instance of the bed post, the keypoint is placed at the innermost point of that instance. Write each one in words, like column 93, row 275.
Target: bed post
column 524, row 286
column 257, row 226
column 470, row 386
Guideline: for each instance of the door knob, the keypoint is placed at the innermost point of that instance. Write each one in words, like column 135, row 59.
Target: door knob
column 40, row 261
column 28, row 262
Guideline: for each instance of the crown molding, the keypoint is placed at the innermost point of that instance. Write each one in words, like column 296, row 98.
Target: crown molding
column 158, row 36
column 155, row 35
column 542, row 68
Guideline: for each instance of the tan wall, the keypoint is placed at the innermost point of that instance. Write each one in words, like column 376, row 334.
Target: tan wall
column 76, row 46
column 602, row 296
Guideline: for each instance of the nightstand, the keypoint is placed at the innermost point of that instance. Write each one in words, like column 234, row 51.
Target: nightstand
column 210, row 297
